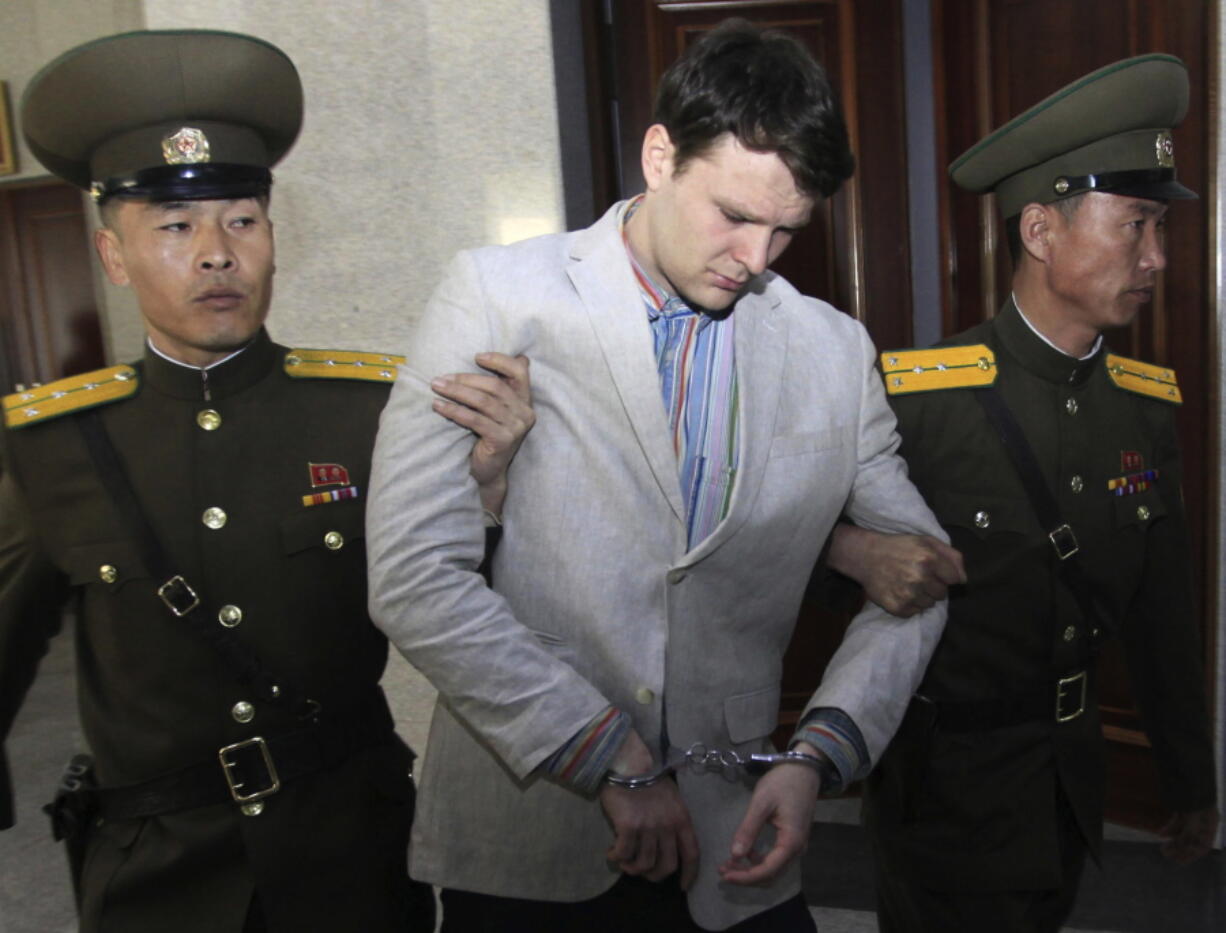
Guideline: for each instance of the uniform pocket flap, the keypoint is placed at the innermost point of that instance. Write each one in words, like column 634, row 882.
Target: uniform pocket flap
column 1138, row 509
column 329, row 526
column 983, row 514
column 112, row 563
column 752, row 715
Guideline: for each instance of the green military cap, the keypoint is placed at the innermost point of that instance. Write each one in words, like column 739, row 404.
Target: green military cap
column 1109, row 131
column 181, row 114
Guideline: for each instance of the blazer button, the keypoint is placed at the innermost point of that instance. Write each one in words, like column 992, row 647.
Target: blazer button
column 229, row 616
column 334, row 540
column 1071, row 406
column 645, row 695
column 214, row 518
column 208, row 419
column 1076, row 484
column 242, row 711
column 253, row 809
column 1070, row 633
column 107, row 573
column 1143, row 512
column 982, row 519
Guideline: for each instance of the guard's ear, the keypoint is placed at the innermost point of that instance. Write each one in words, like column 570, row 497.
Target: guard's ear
column 110, row 253
column 658, row 152
column 1035, row 229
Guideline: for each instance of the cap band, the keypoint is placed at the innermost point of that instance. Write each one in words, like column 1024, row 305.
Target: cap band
column 198, row 182
column 1105, row 181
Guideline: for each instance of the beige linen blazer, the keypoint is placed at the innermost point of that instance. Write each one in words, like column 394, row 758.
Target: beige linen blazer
column 596, row 598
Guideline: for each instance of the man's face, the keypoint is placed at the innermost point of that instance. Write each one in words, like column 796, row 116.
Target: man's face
column 1104, row 259
column 718, row 222
column 201, row 270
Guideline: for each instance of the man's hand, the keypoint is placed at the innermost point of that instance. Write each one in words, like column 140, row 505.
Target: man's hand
column 1189, row 835
column 653, row 836
column 785, row 798
column 498, row 409
column 903, row 574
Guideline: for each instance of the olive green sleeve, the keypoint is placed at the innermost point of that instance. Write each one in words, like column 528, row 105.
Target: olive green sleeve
column 1162, row 641
column 32, row 595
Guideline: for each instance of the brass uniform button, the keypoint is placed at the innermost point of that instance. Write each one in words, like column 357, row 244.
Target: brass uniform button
column 214, row 518
column 334, row 540
column 1076, row 484
column 1070, row 633
column 107, row 573
column 209, row 420
column 242, row 711
column 645, row 695
column 982, row 519
column 253, row 809
column 229, row 616
column 1071, row 406
column 1143, row 512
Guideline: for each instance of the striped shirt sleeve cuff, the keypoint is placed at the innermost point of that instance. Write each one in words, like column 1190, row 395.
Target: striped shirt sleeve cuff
column 584, row 760
column 832, row 732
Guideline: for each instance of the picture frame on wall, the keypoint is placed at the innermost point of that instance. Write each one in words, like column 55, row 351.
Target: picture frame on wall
column 8, row 151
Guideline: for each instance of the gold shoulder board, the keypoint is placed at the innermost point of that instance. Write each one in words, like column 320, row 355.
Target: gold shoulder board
column 342, row 364
column 1144, row 378
column 64, row 396
column 963, row 367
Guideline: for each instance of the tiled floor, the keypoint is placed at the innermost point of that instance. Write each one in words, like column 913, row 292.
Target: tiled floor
column 1136, row 892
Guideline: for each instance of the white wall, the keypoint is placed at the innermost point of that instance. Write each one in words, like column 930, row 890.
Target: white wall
column 430, row 126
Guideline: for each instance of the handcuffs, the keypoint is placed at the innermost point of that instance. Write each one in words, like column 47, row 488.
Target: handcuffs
column 700, row 758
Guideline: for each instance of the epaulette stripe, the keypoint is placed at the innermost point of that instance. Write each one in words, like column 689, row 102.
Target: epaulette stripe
column 64, row 396
column 1144, row 379
column 342, row 364
column 955, row 367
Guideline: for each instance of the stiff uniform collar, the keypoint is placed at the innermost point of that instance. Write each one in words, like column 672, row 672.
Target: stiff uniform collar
column 236, row 373
column 1038, row 355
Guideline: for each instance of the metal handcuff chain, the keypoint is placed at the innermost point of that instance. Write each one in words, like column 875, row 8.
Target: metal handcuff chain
column 724, row 761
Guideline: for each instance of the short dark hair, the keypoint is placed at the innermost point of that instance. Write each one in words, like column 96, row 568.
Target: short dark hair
column 1013, row 225
column 765, row 88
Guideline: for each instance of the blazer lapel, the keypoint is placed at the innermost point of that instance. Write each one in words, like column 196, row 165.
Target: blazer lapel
column 601, row 275
column 761, row 346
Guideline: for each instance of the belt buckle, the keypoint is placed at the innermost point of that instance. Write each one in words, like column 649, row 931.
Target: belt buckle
column 1064, row 541
column 274, row 781
column 1062, row 694
column 178, row 596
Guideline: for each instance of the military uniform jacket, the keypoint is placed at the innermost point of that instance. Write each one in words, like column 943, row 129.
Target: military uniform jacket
column 977, row 810
column 220, row 460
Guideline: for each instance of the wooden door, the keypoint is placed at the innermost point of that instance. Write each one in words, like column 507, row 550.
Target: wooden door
column 995, row 58
column 855, row 252
column 49, row 324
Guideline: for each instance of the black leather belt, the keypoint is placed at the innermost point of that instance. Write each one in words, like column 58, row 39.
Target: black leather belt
column 256, row 767
column 1058, row 701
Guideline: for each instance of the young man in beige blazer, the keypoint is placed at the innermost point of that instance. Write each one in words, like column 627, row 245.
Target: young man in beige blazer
column 589, row 763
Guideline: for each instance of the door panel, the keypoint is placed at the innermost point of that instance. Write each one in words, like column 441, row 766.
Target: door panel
column 49, row 324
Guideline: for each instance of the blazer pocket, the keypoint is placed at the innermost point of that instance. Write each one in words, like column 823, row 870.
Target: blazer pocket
column 791, row 445
column 753, row 715
column 318, row 526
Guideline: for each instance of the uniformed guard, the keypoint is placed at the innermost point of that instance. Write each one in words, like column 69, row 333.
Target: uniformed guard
column 1053, row 465
column 203, row 508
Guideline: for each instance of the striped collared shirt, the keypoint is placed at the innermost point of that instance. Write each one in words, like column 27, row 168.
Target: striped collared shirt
column 696, row 360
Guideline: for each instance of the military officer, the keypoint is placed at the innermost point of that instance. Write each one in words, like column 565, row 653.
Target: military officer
column 1053, row 465
column 203, row 510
